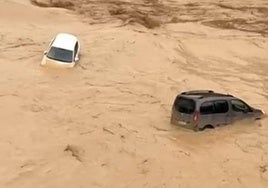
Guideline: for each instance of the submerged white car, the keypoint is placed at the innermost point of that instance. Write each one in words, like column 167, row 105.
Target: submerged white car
column 63, row 50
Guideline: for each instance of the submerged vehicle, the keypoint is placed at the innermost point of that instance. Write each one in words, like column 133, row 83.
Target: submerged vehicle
column 200, row 109
column 63, row 50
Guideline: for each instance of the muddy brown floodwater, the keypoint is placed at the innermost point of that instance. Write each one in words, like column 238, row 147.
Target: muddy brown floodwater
column 105, row 123
column 249, row 16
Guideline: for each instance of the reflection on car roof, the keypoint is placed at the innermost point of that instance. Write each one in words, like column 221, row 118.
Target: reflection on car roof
column 65, row 41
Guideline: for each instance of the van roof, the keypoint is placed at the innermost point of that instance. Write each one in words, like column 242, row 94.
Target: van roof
column 199, row 94
column 64, row 41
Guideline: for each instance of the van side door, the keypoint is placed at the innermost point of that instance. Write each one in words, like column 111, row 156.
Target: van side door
column 206, row 114
column 221, row 112
column 214, row 113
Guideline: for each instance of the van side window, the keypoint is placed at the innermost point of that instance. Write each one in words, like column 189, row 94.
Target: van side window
column 207, row 108
column 221, row 106
column 239, row 106
column 214, row 107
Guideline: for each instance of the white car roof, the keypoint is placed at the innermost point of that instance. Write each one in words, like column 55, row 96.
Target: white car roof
column 64, row 41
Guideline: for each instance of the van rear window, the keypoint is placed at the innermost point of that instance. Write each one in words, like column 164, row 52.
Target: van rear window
column 185, row 105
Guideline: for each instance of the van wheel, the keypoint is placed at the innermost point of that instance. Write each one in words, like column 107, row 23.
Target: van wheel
column 207, row 127
column 196, row 129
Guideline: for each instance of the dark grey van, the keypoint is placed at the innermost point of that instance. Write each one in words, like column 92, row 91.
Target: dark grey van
column 202, row 109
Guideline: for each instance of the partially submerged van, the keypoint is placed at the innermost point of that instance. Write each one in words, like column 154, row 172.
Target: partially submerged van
column 201, row 109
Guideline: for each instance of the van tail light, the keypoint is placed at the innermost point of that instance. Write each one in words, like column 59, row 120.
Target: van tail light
column 196, row 115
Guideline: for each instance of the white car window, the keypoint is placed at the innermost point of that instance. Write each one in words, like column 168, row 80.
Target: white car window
column 60, row 54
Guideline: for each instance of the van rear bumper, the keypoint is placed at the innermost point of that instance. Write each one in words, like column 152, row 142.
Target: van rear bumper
column 183, row 124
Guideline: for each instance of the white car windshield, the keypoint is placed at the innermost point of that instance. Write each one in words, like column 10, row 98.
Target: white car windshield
column 60, row 54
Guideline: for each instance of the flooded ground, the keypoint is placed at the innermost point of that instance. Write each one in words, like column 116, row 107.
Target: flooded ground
column 105, row 123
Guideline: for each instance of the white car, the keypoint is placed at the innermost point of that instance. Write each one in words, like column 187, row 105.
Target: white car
column 63, row 50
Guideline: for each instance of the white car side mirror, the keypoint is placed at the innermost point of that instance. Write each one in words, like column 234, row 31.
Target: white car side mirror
column 45, row 52
column 76, row 58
